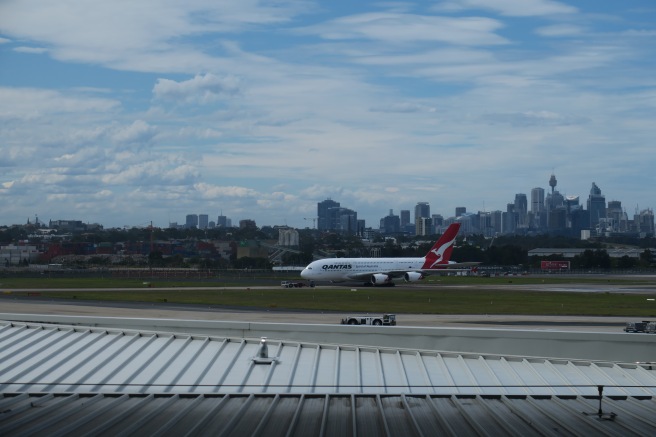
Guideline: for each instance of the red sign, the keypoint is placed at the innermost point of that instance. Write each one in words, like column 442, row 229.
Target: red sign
column 554, row 265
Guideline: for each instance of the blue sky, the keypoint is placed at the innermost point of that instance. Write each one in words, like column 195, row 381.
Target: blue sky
column 128, row 112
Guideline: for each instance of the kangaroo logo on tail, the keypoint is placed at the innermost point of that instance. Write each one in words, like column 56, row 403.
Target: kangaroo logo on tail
column 440, row 253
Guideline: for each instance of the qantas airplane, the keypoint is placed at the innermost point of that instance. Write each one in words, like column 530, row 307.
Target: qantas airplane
column 382, row 271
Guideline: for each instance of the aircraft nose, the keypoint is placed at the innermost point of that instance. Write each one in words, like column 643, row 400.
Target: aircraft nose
column 304, row 273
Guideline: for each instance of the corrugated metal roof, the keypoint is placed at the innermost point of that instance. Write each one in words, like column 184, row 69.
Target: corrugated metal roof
column 48, row 358
column 329, row 415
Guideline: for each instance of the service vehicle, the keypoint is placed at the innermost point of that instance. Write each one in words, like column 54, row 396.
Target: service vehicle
column 384, row 320
column 295, row 284
column 643, row 326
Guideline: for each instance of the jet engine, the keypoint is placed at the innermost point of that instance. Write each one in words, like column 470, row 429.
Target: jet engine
column 412, row 276
column 379, row 279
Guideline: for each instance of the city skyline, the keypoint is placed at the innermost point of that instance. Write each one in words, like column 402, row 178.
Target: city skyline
column 526, row 203
column 127, row 113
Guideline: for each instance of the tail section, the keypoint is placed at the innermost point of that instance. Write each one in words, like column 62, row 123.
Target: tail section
column 440, row 253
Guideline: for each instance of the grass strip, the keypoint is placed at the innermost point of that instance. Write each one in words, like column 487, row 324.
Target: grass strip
column 391, row 300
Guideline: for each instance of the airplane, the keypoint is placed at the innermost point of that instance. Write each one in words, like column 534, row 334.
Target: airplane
column 382, row 271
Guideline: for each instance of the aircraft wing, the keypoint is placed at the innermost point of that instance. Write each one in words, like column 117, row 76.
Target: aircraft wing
column 454, row 267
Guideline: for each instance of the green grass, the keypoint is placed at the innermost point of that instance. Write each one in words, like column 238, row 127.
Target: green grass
column 46, row 282
column 394, row 300
column 443, row 297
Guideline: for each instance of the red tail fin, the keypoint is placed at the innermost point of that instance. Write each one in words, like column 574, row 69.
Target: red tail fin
column 440, row 253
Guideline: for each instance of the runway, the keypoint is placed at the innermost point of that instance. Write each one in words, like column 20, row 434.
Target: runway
column 39, row 303
column 199, row 312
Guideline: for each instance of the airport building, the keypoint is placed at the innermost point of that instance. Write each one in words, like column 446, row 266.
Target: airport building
column 74, row 375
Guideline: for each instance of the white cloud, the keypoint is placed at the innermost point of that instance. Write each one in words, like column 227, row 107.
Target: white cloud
column 404, row 108
column 513, row 8
column 30, row 50
column 30, row 103
column 559, row 30
column 137, row 133
column 396, row 28
column 122, row 33
column 201, row 89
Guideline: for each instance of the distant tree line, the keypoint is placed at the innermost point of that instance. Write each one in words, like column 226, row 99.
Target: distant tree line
column 505, row 250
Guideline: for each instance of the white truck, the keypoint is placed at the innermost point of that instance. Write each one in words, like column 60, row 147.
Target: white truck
column 384, row 320
column 295, row 284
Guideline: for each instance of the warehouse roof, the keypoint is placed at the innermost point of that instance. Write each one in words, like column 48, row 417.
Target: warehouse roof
column 37, row 357
column 74, row 380
column 328, row 415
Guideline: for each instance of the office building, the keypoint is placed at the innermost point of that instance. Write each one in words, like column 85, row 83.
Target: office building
column 537, row 207
column 405, row 217
column 191, row 221
column 390, row 224
column 424, row 226
column 596, row 206
column 422, row 211
column 203, row 221
column 326, row 216
column 521, row 209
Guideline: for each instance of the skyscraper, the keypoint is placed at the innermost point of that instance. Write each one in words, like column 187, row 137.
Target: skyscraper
column 422, row 211
column 424, row 226
column 537, row 207
column 325, row 220
column 596, row 206
column 391, row 223
column 191, row 221
column 521, row 209
column 405, row 217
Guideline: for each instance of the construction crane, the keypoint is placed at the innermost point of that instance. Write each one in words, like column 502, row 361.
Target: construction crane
column 314, row 222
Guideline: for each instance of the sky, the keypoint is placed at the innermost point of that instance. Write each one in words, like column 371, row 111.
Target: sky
column 129, row 112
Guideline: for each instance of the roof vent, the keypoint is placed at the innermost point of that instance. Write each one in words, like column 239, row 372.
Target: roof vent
column 262, row 356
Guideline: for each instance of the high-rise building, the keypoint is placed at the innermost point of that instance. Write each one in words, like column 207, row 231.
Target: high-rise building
column 460, row 211
column 422, row 210
column 347, row 220
column 191, row 221
column 390, row 224
column 495, row 221
column 203, row 221
column 438, row 222
column 326, row 218
column 644, row 221
column 521, row 209
column 405, row 217
column 537, row 207
column 509, row 219
column 596, row 206
column 424, row 226
column 222, row 221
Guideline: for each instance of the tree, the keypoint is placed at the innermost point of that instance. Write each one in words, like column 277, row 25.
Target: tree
column 626, row 262
column 646, row 258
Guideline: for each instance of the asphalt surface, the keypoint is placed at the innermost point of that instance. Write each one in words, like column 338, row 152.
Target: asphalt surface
column 39, row 303
column 42, row 305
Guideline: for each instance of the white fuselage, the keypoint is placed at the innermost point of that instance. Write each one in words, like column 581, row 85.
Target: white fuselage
column 348, row 269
